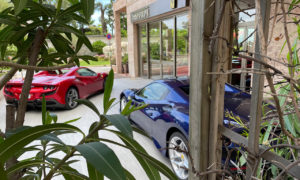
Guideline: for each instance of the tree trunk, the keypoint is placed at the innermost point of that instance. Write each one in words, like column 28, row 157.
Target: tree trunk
column 102, row 19
column 33, row 56
column 10, row 120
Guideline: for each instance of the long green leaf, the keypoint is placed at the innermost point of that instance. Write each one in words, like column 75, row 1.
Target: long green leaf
column 88, row 44
column 44, row 109
column 19, row 5
column 93, row 172
column 149, row 168
column 72, row 174
column 71, row 9
column 17, row 141
column 26, row 164
column 59, row 3
column 121, row 122
column 9, row 20
column 69, row 175
column 3, row 174
column 103, row 159
column 73, row 120
column 51, row 137
column 59, row 27
column 41, row 8
column 88, row 8
column 129, row 176
column 109, row 83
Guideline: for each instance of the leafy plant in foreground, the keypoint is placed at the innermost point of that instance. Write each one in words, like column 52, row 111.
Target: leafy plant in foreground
column 101, row 160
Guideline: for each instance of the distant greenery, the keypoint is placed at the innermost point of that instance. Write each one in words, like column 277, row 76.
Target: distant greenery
column 101, row 62
column 182, row 41
column 98, row 47
column 155, row 50
column 93, row 30
column 125, row 59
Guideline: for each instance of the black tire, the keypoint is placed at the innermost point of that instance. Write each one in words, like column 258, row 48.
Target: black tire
column 71, row 95
column 178, row 159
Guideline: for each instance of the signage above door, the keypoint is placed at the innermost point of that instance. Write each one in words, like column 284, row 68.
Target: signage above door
column 157, row 8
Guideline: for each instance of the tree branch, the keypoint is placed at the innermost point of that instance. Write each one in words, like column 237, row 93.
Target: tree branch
column 4, row 79
column 21, row 66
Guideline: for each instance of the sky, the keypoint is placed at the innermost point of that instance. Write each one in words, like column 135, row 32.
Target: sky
column 96, row 15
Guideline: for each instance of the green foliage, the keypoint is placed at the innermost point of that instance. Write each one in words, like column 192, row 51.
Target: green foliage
column 21, row 23
column 155, row 50
column 125, row 59
column 98, row 46
column 51, row 50
column 182, row 41
column 93, row 30
column 123, row 32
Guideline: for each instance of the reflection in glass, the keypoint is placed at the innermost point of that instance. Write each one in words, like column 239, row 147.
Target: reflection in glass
column 182, row 65
column 168, row 47
column 154, row 33
column 143, row 50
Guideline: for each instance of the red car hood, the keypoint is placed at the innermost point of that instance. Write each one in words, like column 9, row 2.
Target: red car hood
column 43, row 80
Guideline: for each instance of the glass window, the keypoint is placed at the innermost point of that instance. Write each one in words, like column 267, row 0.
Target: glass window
column 154, row 32
column 86, row 72
column 168, row 47
column 154, row 91
column 143, row 50
column 182, row 49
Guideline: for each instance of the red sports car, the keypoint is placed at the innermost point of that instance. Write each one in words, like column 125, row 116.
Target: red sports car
column 60, row 87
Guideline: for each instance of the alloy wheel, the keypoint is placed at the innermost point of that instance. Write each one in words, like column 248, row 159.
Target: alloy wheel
column 179, row 159
column 72, row 95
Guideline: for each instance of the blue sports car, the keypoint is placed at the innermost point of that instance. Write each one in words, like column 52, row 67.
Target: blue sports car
column 166, row 118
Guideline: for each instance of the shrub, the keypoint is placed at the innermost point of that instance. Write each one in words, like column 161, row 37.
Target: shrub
column 125, row 59
column 98, row 46
column 102, row 59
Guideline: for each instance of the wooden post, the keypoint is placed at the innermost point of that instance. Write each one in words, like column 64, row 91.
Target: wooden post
column 257, row 89
column 221, row 59
column 118, row 41
column 202, row 28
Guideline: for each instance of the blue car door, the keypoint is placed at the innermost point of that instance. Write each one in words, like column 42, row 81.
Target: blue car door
column 152, row 95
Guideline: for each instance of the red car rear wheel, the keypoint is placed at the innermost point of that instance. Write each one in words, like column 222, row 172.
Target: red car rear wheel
column 71, row 95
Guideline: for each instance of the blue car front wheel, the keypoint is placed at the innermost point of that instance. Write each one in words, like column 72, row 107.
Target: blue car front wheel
column 177, row 150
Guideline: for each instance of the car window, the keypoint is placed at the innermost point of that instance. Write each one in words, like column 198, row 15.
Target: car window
column 86, row 72
column 154, row 91
column 64, row 71
column 185, row 89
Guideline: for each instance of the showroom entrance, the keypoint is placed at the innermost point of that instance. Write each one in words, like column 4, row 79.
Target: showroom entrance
column 164, row 47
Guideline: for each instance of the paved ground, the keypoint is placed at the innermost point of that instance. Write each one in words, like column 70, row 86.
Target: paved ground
column 33, row 117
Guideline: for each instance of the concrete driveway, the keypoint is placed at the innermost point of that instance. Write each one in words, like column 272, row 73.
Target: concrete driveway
column 33, row 118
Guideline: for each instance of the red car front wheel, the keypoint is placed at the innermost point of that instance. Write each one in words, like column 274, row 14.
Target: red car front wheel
column 71, row 96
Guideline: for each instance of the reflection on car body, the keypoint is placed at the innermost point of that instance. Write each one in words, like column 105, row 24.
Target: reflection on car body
column 166, row 118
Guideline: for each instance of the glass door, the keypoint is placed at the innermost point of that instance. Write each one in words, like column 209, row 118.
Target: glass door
column 154, row 37
column 167, row 63
column 182, row 49
column 143, row 50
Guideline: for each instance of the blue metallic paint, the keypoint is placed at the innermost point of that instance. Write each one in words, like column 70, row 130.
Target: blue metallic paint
column 157, row 122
